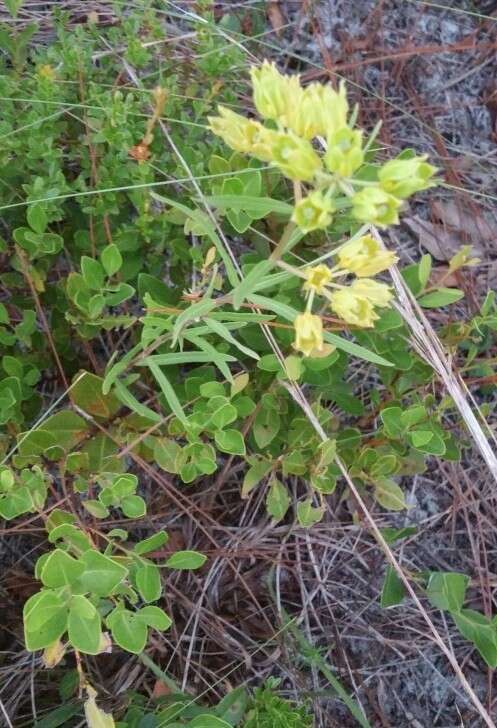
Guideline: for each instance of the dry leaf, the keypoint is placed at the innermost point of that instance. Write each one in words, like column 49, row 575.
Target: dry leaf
column 458, row 218
column 160, row 690
column 441, row 276
column 275, row 16
column 53, row 654
column 140, row 152
column 438, row 241
column 95, row 716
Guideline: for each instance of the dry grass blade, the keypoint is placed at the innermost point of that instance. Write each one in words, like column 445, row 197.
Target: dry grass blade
column 398, row 569
column 430, row 347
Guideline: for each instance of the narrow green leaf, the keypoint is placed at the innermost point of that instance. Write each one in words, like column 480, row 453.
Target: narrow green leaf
column 168, row 392
column 255, row 206
column 245, row 288
column 197, row 217
column 125, row 396
column 225, row 334
column 182, row 357
column 289, row 313
column 152, row 543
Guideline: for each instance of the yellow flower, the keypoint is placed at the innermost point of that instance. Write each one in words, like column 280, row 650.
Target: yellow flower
column 379, row 294
column 317, row 278
column 344, row 154
column 308, row 334
column 404, row 177
column 237, row 131
column 295, row 157
column 374, row 205
column 321, row 111
column 274, row 94
column 353, row 309
column 243, row 135
column 365, row 257
column 46, row 71
column 313, row 212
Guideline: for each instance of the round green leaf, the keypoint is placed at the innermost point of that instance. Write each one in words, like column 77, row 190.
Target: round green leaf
column 186, row 560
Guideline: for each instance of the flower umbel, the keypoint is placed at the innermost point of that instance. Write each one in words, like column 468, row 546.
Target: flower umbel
column 308, row 334
column 314, row 212
column 365, row 257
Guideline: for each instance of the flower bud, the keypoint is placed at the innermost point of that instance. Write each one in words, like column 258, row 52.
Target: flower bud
column 344, row 154
column 274, row 94
column 404, row 177
column 295, row 157
column 365, row 257
column 318, row 276
column 313, row 212
column 321, row 111
column 353, row 309
column 235, row 130
column 374, row 205
column 378, row 294
column 308, row 334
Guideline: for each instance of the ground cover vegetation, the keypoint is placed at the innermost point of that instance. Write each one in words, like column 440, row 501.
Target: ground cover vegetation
column 201, row 311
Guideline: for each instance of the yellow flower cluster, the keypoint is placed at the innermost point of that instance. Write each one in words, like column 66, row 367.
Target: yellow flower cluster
column 355, row 303
column 302, row 115
column 301, row 121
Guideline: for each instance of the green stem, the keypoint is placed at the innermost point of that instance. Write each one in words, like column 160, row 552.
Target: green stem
column 280, row 248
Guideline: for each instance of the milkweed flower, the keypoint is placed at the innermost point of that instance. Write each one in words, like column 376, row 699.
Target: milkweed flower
column 352, row 308
column 295, row 157
column 379, row 294
column 308, row 334
column 275, row 95
column 365, row 257
column 236, row 130
column 344, row 155
column 317, row 278
column 313, row 212
column 374, row 205
column 320, row 111
column 404, row 177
